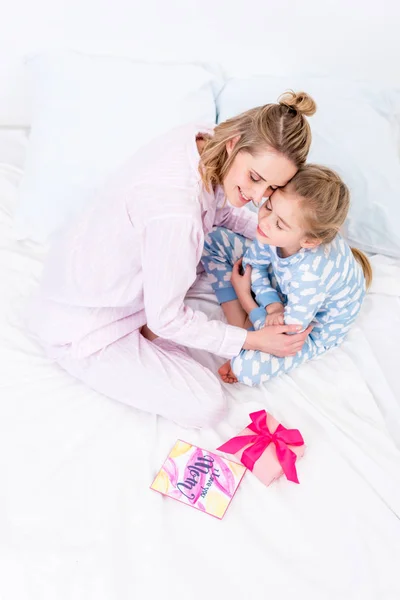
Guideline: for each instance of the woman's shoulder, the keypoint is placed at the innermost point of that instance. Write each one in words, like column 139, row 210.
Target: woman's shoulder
column 161, row 179
column 170, row 159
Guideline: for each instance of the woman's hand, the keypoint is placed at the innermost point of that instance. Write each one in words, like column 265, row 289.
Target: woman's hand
column 274, row 340
column 242, row 286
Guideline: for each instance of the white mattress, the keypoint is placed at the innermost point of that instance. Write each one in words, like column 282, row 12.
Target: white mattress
column 77, row 518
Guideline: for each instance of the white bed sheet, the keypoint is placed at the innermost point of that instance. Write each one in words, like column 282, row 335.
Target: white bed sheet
column 77, row 518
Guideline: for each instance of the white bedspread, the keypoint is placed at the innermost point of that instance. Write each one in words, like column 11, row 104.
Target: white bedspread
column 77, row 518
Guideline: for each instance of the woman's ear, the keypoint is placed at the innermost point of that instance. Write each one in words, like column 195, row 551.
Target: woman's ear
column 230, row 144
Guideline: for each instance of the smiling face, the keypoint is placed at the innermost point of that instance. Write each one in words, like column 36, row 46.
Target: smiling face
column 251, row 178
column 281, row 224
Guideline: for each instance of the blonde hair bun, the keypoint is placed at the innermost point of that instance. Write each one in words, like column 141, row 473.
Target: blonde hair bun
column 298, row 101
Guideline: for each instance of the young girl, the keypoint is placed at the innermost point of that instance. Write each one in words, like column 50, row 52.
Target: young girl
column 302, row 272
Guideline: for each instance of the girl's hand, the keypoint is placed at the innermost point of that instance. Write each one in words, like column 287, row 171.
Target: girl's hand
column 242, row 284
column 275, row 312
column 274, row 319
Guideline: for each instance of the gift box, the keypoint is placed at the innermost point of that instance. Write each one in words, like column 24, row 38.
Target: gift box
column 267, row 448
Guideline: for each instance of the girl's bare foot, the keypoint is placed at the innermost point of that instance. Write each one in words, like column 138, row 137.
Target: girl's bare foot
column 226, row 373
column 148, row 334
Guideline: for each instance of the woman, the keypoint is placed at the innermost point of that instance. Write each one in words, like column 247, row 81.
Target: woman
column 124, row 268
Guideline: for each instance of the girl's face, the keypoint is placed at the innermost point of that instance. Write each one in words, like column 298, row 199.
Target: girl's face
column 252, row 178
column 280, row 223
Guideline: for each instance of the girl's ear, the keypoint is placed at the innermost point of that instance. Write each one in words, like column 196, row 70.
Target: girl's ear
column 309, row 244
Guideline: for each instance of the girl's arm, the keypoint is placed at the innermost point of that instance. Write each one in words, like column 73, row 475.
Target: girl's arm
column 304, row 299
column 252, row 311
column 259, row 259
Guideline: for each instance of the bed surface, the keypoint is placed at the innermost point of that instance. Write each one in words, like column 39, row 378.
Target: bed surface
column 77, row 517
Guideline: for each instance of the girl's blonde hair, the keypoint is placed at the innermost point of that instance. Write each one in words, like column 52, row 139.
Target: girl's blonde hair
column 326, row 202
column 282, row 127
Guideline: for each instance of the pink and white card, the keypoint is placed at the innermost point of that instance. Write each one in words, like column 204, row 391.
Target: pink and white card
column 199, row 478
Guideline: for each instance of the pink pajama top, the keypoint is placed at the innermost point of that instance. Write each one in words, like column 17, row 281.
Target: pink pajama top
column 131, row 257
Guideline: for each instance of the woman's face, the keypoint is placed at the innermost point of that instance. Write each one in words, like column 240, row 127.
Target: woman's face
column 251, row 178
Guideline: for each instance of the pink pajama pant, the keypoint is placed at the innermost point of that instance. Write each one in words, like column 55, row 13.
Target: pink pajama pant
column 158, row 377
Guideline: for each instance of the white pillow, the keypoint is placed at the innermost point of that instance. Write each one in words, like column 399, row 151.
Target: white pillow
column 356, row 132
column 89, row 114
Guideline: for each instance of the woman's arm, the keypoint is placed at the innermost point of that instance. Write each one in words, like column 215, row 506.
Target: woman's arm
column 239, row 220
column 170, row 251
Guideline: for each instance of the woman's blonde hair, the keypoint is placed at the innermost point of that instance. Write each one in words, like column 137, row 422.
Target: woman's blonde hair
column 282, row 127
column 326, row 202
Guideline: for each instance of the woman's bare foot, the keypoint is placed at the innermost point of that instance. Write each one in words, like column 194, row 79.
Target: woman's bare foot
column 226, row 373
column 148, row 334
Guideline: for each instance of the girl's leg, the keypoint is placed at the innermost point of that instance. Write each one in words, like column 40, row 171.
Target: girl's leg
column 222, row 248
column 235, row 314
column 158, row 377
column 252, row 367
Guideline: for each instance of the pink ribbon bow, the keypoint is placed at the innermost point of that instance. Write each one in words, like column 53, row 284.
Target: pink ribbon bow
column 282, row 437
